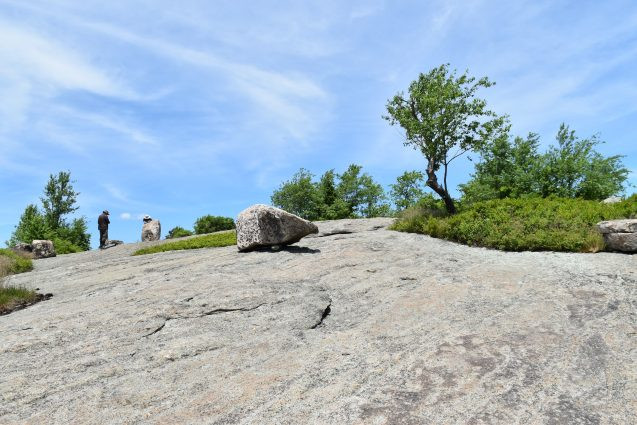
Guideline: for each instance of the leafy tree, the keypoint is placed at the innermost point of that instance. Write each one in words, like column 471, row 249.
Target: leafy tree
column 335, row 196
column 363, row 196
column 32, row 225
column 443, row 119
column 573, row 168
column 506, row 170
column 299, row 196
column 408, row 189
column 178, row 232
column 59, row 199
column 332, row 206
column 211, row 223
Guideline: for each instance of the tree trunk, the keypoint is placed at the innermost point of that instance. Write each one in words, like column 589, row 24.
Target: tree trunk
column 432, row 182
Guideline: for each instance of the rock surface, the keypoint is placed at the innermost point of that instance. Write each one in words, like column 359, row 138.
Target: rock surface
column 262, row 225
column 619, row 235
column 151, row 231
column 42, row 249
column 618, row 226
column 355, row 325
column 612, row 200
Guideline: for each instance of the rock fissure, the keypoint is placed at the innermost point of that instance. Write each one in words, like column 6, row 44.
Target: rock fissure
column 325, row 313
column 207, row 313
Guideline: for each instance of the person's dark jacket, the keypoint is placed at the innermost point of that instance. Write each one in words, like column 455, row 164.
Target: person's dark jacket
column 102, row 222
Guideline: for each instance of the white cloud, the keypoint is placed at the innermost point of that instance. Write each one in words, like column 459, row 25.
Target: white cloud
column 125, row 216
column 36, row 58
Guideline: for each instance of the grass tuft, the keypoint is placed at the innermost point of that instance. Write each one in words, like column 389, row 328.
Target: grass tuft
column 13, row 263
column 212, row 240
column 535, row 224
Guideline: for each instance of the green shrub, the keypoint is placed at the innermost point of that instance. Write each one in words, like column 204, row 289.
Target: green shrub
column 533, row 224
column 211, row 223
column 63, row 246
column 12, row 263
column 178, row 232
column 207, row 241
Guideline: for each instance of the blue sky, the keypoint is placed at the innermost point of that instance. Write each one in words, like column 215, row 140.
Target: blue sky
column 180, row 109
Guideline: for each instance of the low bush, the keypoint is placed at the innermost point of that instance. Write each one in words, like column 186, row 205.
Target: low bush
column 533, row 224
column 211, row 223
column 178, row 232
column 13, row 263
column 208, row 241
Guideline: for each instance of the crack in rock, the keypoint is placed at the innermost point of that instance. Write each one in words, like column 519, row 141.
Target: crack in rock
column 207, row 313
column 325, row 313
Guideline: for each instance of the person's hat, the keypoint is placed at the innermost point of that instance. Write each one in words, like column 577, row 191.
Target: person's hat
column 147, row 217
column 105, row 212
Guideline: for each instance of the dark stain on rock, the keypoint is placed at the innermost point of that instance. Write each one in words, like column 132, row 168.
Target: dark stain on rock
column 566, row 411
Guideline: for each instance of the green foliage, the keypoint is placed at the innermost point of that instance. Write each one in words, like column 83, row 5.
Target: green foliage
column 58, row 200
column 32, row 225
column 207, row 241
column 178, row 232
column 212, row 223
column 571, row 169
column 12, row 263
column 443, row 119
column 335, row 196
column 363, row 196
column 533, row 224
column 63, row 246
column 409, row 188
column 11, row 295
column 299, row 196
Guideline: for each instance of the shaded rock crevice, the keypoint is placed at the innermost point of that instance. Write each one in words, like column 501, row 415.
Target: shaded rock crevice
column 326, row 312
column 204, row 314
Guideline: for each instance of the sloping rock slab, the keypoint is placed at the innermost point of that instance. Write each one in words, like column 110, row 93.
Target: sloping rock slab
column 262, row 225
column 418, row 331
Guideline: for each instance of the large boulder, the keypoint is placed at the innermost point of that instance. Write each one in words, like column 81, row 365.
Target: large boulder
column 42, row 249
column 619, row 235
column 151, row 230
column 263, row 225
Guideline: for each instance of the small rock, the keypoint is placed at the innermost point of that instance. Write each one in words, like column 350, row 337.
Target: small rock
column 263, row 225
column 612, row 200
column 42, row 249
column 151, row 231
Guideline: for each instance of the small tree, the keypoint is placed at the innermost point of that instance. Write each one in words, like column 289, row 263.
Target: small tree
column 299, row 196
column 32, row 225
column 574, row 169
column 178, row 232
column 362, row 196
column 408, row 189
column 59, row 199
column 570, row 169
column 211, row 223
column 444, row 120
column 332, row 205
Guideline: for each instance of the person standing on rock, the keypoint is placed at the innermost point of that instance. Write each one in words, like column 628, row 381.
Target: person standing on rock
column 102, row 226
